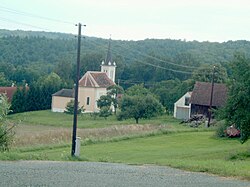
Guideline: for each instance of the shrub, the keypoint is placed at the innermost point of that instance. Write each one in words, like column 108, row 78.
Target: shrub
column 221, row 129
column 70, row 108
column 5, row 132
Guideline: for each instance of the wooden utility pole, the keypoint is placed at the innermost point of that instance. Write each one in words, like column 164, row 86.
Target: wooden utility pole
column 211, row 99
column 76, row 92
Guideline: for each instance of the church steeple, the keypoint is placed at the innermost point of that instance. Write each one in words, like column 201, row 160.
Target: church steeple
column 108, row 66
column 109, row 56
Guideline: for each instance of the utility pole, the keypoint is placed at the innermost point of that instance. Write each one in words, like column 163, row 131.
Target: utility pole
column 76, row 92
column 211, row 99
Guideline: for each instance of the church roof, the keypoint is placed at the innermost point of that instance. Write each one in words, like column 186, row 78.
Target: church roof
column 95, row 79
column 65, row 93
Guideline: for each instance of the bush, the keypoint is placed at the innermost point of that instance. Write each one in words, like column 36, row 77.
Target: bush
column 105, row 112
column 70, row 108
column 5, row 137
column 221, row 129
column 5, row 133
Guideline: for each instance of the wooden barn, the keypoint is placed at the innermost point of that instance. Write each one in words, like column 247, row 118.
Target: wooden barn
column 201, row 95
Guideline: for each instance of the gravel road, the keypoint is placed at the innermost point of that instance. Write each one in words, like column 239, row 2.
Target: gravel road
column 46, row 173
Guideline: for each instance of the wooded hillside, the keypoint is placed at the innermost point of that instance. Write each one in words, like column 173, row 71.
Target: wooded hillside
column 27, row 55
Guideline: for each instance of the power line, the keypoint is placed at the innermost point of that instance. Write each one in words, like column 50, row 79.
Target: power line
column 153, row 65
column 13, row 11
column 156, row 58
column 20, row 23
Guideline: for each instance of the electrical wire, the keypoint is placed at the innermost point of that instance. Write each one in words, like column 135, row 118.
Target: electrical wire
column 150, row 64
column 20, row 23
column 13, row 11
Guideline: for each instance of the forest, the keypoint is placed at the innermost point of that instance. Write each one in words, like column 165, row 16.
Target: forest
column 167, row 67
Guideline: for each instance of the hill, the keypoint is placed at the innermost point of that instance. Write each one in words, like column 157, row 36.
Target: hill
column 39, row 53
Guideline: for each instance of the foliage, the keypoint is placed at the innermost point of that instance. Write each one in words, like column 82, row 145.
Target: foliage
column 105, row 111
column 138, row 107
column 5, row 133
column 18, row 103
column 138, row 102
column 38, row 95
column 3, row 80
column 70, row 108
column 113, row 91
column 104, row 101
column 237, row 110
column 137, row 89
column 205, row 73
column 168, row 92
column 20, row 60
column 221, row 127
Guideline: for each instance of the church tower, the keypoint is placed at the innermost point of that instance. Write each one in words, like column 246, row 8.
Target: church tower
column 108, row 66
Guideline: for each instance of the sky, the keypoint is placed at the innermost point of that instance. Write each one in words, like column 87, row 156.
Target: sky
column 201, row 20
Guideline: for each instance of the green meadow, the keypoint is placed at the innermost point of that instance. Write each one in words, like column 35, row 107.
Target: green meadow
column 162, row 141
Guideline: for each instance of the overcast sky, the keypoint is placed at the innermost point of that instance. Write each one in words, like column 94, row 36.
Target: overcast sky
column 202, row 20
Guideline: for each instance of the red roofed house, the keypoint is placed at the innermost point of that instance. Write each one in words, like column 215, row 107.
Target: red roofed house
column 92, row 86
column 200, row 97
column 9, row 91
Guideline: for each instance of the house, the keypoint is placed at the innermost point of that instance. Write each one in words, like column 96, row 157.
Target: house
column 92, row 86
column 201, row 95
column 9, row 91
column 182, row 107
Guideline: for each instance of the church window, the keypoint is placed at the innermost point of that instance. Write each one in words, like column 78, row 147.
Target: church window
column 88, row 100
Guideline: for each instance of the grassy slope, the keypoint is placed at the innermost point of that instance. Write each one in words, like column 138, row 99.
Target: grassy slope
column 196, row 151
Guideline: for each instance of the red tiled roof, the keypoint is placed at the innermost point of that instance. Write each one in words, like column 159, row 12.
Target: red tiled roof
column 95, row 79
column 202, row 93
column 9, row 91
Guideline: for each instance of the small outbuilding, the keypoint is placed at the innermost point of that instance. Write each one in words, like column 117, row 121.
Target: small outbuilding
column 182, row 107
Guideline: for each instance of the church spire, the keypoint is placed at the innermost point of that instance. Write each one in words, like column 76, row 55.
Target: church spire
column 108, row 59
column 108, row 66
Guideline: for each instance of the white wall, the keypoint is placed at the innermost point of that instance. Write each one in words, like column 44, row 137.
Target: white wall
column 182, row 111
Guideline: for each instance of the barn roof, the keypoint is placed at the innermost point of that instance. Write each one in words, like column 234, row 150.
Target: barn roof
column 65, row 93
column 9, row 91
column 95, row 79
column 202, row 92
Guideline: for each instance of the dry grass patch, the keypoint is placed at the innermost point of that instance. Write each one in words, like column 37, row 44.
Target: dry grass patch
column 27, row 135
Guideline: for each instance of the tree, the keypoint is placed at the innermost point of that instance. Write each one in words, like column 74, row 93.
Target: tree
column 137, row 89
column 64, row 69
column 105, row 111
column 19, row 100
column 3, row 80
column 113, row 91
column 205, row 72
column 5, row 132
column 104, row 101
column 170, row 91
column 138, row 107
column 48, row 85
column 70, row 108
column 237, row 110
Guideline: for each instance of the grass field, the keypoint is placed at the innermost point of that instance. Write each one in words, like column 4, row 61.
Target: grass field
column 194, row 151
column 161, row 141
column 49, row 118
